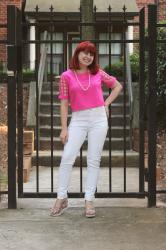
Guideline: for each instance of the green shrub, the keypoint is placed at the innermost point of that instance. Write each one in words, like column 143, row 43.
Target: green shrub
column 117, row 68
column 134, row 61
column 28, row 72
column 161, row 77
column 1, row 66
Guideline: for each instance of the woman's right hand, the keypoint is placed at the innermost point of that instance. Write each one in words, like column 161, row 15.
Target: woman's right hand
column 64, row 136
column 107, row 110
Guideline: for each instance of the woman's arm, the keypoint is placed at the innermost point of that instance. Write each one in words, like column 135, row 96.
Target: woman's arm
column 110, row 82
column 64, row 114
column 114, row 93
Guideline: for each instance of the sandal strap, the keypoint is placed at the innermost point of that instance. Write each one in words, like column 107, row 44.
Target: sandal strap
column 65, row 203
column 57, row 210
column 90, row 213
column 90, row 210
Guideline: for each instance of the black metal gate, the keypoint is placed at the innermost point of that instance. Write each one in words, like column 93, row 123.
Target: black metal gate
column 15, row 102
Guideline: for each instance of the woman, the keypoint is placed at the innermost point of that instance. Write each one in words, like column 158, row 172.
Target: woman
column 81, row 84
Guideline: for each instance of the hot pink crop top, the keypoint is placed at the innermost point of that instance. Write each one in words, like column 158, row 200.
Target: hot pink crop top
column 69, row 88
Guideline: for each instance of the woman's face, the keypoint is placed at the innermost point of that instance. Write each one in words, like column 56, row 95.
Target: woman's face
column 85, row 58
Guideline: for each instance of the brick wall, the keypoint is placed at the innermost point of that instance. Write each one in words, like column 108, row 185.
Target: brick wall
column 141, row 4
column 144, row 3
column 3, row 20
column 162, row 10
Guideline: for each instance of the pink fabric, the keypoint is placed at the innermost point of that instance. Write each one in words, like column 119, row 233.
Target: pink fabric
column 80, row 99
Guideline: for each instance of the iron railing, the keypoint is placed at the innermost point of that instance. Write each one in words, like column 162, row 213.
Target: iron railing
column 42, row 74
column 129, row 86
column 15, row 43
column 52, row 22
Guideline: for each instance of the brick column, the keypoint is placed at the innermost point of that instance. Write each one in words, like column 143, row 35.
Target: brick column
column 145, row 3
column 3, row 20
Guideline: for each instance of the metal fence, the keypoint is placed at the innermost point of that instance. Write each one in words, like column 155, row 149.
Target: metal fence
column 159, row 42
column 16, row 44
column 3, row 131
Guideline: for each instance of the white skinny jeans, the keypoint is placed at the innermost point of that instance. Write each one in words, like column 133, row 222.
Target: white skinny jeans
column 93, row 124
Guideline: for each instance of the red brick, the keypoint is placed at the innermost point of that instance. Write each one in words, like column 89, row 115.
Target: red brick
column 3, row 20
column 144, row 3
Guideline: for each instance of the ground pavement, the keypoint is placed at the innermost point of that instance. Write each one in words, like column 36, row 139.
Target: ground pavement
column 120, row 224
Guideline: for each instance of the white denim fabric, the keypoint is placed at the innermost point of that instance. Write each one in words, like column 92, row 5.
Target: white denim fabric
column 93, row 124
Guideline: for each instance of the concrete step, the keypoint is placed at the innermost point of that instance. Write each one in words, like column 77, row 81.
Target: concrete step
column 45, row 131
column 117, row 158
column 55, row 85
column 116, row 108
column 45, row 108
column 46, row 96
column 47, row 86
column 117, row 143
column 45, row 119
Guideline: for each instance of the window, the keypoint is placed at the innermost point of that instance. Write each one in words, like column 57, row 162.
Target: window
column 57, row 48
column 104, row 49
column 72, row 46
column 57, row 53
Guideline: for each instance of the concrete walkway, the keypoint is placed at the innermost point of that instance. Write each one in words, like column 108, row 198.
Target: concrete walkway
column 120, row 224
column 114, row 228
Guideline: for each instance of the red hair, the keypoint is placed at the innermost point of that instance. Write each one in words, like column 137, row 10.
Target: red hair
column 89, row 47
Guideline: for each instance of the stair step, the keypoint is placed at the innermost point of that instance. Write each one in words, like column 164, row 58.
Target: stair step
column 116, row 120
column 116, row 108
column 117, row 158
column 58, row 104
column 55, row 83
column 116, row 131
column 46, row 96
column 117, row 143
column 47, row 87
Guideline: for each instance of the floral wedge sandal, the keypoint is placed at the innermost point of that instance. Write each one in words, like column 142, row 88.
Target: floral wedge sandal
column 57, row 210
column 89, row 210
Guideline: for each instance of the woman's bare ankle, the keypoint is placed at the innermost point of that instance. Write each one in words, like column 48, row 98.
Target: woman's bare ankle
column 58, row 202
column 89, row 204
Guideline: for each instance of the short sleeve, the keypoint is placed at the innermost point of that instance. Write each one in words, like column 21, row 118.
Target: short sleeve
column 63, row 88
column 109, row 81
